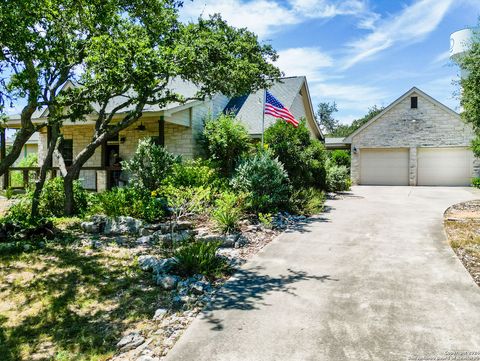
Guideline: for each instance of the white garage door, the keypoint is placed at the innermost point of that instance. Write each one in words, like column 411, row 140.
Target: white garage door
column 384, row 166
column 444, row 166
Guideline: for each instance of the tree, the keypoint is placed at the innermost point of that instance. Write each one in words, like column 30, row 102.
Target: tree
column 325, row 118
column 470, row 93
column 121, row 56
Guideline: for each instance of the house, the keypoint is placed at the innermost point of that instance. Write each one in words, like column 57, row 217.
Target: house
column 176, row 126
column 415, row 141
column 30, row 147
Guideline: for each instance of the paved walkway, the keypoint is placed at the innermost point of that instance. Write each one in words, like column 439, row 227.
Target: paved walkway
column 372, row 279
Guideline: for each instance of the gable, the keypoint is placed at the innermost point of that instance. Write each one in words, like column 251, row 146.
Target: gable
column 430, row 124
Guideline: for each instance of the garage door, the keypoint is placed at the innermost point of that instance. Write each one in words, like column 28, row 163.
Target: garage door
column 444, row 166
column 384, row 166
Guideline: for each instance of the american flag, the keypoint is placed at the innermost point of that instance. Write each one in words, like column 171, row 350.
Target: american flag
column 275, row 108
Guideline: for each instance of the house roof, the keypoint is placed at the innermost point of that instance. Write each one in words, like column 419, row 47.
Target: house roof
column 249, row 108
column 397, row 101
column 32, row 140
column 177, row 85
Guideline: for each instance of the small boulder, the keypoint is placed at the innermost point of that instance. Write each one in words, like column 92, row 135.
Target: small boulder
column 130, row 341
column 144, row 240
column 90, row 227
column 167, row 282
column 148, row 263
column 197, row 288
column 122, row 225
column 159, row 314
column 176, row 237
column 229, row 240
column 241, row 241
column 147, row 358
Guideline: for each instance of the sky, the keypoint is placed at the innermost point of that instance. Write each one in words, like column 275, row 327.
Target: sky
column 358, row 53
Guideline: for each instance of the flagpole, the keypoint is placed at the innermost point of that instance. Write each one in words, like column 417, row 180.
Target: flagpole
column 263, row 113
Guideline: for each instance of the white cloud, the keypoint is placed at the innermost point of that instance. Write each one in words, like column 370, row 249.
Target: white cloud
column 442, row 57
column 412, row 24
column 265, row 17
column 303, row 61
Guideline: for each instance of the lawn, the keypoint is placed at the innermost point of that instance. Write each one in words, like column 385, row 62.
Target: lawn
column 71, row 301
column 462, row 225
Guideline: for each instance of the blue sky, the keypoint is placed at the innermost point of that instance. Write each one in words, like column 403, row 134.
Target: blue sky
column 356, row 52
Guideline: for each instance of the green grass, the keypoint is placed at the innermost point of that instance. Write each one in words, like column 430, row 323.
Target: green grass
column 65, row 302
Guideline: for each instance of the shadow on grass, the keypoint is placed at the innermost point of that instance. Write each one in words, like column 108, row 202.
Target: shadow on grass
column 82, row 303
column 247, row 290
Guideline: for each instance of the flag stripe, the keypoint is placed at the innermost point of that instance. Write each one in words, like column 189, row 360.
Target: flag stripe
column 274, row 108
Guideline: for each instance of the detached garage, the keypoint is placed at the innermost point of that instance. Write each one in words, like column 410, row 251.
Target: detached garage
column 416, row 140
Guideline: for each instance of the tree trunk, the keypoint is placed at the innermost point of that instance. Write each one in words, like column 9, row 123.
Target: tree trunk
column 55, row 141
column 69, row 196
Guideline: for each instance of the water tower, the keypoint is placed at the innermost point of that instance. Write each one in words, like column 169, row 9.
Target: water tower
column 460, row 43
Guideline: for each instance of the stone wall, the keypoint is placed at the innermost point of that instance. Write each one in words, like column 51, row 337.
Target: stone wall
column 430, row 125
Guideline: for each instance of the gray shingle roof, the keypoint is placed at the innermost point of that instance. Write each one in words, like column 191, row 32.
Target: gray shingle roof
column 249, row 108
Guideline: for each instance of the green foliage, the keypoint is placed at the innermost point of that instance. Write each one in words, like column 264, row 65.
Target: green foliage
column 52, row 199
column 324, row 114
column 227, row 211
column 307, row 201
column 150, row 165
column 344, row 130
column 265, row 219
column 225, row 140
column 265, row 181
column 16, row 177
column 195, row 173
column 185, row 201
column 338, row 178
column 132, row 202
column 476, row 182
column 340, row 157
column 18, row 214
column 199, row 258
column 303, row 158
column 470, row 94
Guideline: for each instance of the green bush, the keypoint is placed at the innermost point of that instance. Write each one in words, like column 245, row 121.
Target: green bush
column 185, row 201
column 19, row 213
column 307, row 201
column 52, row 199
column 338, row 178
column 265, row 181
column 150, row 165
column 132, row 202
column 16, row 177
column 303, row 157
column 227, row 211
column 340, row 157
column 199, row 258
column 266, row 219
column 195, row 173
column 476, row 182
column 225, row 140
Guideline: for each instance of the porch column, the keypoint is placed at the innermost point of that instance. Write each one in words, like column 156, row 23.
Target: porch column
column 412, row 166
column 161, row 131
column 3, row 153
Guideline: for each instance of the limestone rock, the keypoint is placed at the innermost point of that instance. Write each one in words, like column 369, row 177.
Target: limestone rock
column 130, row 341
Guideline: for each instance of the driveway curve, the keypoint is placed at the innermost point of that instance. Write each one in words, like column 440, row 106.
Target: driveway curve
column 371, row 279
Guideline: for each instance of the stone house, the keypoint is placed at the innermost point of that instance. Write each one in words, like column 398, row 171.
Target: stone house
column 176, row 126
column 415, row 141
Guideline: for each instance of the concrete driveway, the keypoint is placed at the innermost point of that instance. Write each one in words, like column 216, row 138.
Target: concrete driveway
column 371, row 279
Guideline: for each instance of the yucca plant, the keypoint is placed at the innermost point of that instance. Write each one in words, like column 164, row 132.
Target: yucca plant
column 227, row 212
column 199, row 258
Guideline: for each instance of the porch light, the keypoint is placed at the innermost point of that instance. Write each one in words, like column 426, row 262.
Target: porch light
column 141, row 127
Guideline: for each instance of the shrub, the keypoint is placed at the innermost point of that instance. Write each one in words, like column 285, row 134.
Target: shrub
column 132, row 202
column 225, row 140
column 19, row 213
column 227, row 211
column 338, row 178
column 16, row 178
column 199, row 258
column 476, row 182
column 303, row 158
column 266, row 219
column 150, row 165
column 340, row 157
column 52, row 199
column 195, row 173
column 307, row 201
column 185, row 201
column 264, row 180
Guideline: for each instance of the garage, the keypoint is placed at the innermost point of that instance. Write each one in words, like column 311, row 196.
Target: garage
column 444, row 166
column 384, row 166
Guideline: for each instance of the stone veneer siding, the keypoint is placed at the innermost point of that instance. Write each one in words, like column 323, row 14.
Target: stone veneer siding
column 434, row 127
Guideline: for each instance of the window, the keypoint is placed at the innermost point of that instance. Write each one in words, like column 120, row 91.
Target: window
column 67, row 151
column 414, row 102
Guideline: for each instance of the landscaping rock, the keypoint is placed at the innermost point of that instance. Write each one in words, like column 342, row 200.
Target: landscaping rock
column 145, row 240
column 122, row 225
column 225, row 241
column 155, row 264
column 173, row 238
column 147, row 358
column 130, row 341
column 159, row 314
column 241, row 241
column 167, row 282
column 90, row 227
column 197, row 288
